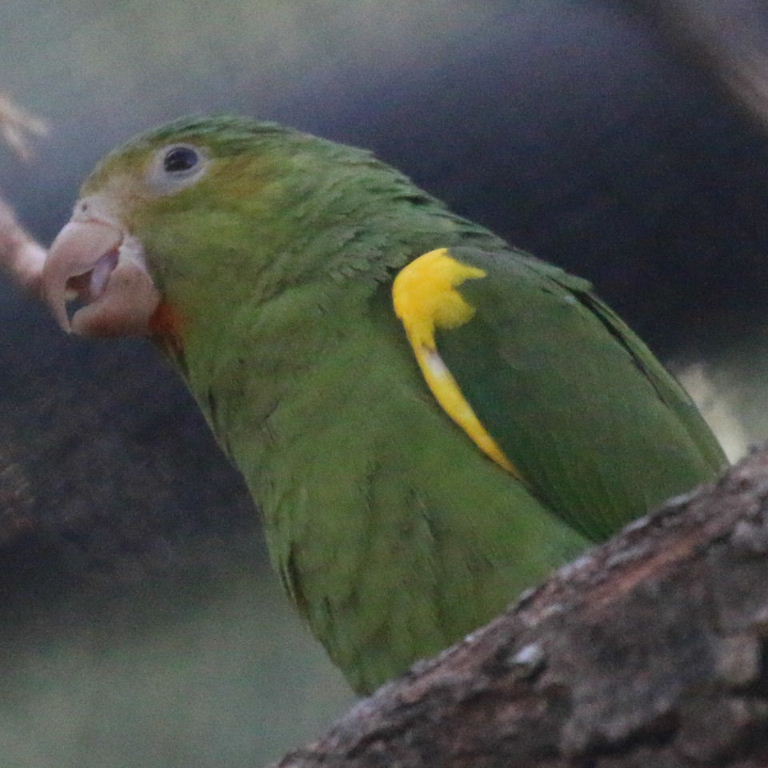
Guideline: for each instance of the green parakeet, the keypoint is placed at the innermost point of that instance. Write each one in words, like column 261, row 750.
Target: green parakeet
column 429, row 419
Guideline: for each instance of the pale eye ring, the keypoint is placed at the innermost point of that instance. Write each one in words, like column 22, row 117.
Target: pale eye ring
column 177, row 166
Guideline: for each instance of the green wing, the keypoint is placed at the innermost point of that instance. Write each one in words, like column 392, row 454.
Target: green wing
column 597, row 428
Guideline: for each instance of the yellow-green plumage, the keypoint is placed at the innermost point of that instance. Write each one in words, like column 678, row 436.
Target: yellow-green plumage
column 392, row 531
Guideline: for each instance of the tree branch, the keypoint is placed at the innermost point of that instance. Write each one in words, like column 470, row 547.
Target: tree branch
column 20, row 254
column 17, row 125
column 648, row 651
column 726, row 40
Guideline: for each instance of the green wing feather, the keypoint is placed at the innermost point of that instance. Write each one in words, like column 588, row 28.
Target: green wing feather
column 599, row 430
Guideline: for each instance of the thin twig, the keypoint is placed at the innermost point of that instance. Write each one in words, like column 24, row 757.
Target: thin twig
column 17, row 126
column 20, row 253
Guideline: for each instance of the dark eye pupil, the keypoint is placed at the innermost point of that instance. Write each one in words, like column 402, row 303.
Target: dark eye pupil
column 180, row 159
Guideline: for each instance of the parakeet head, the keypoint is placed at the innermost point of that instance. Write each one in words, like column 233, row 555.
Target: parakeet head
column 225, row 201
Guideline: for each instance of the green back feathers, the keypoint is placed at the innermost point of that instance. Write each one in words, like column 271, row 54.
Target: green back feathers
column 598, row 429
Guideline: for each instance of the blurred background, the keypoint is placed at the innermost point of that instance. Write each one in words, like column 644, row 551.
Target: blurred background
column 140, row 624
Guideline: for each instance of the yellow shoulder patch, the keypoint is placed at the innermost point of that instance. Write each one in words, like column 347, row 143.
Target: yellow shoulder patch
column 425, row 298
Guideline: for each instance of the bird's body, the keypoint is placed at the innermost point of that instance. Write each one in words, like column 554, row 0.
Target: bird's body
column 417, row 464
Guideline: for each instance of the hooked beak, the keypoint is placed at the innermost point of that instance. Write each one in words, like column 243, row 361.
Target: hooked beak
column 94, row 261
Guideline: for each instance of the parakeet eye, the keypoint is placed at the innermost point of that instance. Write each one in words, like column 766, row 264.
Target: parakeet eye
column 177, row 166
column 180, row 159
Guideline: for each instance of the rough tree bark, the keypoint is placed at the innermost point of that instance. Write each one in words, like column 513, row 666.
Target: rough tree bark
column 650, row 651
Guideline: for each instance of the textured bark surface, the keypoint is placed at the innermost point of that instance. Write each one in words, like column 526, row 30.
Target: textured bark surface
column 649, row 651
